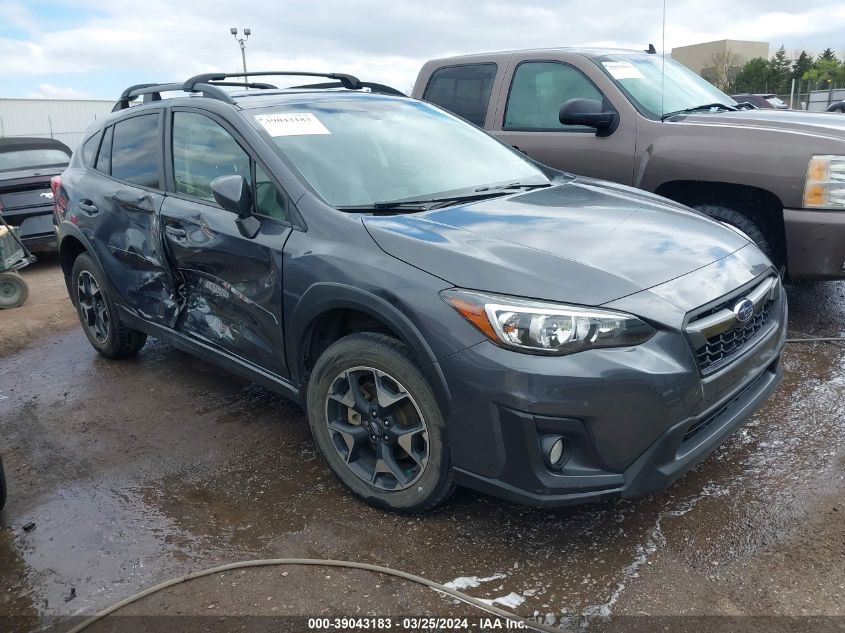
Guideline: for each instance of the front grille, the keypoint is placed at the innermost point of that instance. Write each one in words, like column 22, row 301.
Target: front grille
column 717, row 336
column 725, row 345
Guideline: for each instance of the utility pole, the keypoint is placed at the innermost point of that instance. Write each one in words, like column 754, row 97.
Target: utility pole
column 242, row 43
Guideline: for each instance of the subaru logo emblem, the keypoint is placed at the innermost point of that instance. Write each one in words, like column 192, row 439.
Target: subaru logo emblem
column 744, row 310
column 48, row 195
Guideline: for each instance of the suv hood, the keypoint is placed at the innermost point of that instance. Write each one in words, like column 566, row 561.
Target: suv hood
column 586, row 242
column 817, row 123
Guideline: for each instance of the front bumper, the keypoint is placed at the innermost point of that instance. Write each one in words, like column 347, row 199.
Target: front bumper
column 633, row 420
column 815, row 243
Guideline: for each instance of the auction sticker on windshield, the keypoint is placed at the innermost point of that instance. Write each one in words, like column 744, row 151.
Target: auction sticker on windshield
column 291, row 124
column 622, row 70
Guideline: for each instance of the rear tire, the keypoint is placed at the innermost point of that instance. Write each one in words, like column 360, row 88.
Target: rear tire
column 745, row 224
column 98, row 315
column 374, row 418
column 13, row 290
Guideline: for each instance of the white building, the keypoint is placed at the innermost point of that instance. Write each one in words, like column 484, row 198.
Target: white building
column 62, row 119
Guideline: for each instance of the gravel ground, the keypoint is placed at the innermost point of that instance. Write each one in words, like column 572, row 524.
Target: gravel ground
column 137, row 471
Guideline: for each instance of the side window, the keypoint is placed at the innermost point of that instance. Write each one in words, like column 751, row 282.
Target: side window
column 269, row 200
column 136, row 150
column 89, row 149
column 104, row 157
column 464, row 90
column 539, row 89
column 203, row 151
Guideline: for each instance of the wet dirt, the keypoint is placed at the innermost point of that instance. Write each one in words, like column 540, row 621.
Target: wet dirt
column 141, row 470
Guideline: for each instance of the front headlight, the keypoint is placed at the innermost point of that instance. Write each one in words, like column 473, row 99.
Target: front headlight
column 546, row 328
column 825, row 184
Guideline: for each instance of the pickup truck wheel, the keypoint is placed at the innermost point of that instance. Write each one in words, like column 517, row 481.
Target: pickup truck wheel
column 377, row 423
column 99, row 318
column 743, row 223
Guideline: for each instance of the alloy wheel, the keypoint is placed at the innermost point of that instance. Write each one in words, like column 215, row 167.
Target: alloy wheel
column 376, row 427
column 92, row 306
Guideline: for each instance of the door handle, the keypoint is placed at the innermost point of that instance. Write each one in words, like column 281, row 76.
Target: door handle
column 87, row 206
column 133, row 201
column 177, row 233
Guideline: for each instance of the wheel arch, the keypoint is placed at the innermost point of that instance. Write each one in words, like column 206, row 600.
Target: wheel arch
column 329, row 311
column 71, row 246
column 760, row 205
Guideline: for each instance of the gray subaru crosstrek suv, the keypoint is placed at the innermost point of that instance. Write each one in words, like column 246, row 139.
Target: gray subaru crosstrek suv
column 447, row 310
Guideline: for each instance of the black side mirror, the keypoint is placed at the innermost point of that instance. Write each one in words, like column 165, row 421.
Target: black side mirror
column 590, row 113
column 234, row 194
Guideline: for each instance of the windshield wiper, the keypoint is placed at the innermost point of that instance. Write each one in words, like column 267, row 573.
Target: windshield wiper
column 515, row 186
column 426, row 204
column 706, row 106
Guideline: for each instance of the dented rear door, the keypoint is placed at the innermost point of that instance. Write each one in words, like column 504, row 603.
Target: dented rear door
column 116, row 205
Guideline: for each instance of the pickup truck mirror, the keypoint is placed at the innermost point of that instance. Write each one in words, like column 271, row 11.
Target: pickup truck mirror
column 234, row 194
column 590, row 113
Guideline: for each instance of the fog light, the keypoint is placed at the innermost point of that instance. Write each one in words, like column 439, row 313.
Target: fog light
column 552, row 447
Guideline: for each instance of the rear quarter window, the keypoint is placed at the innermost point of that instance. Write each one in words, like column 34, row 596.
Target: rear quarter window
column 136, row 150
column 89, row 149
column 463, row 90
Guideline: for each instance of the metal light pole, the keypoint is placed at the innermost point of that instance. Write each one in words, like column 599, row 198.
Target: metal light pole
column 242, row 43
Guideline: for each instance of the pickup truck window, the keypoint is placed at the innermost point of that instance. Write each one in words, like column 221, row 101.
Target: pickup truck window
column 464, row 90
column 641, row 78
column 539, row 89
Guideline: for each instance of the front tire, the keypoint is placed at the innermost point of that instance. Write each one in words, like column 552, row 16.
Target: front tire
column 745, row 224
column 374, row 418
column 98, row 315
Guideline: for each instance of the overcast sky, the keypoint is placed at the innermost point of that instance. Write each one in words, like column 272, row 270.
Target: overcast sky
column 87, row 48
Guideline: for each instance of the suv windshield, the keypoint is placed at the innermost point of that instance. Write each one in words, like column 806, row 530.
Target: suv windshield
column 641, row 78
column 356, row 152
column 28, row 158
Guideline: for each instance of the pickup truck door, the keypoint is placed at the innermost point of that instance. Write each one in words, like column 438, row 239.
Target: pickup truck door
column 534, row 87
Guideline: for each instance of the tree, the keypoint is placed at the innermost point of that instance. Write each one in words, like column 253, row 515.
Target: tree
column 754, row 76
column 803, row 63
column 721, row 69
column 828, row 56
column 780, row 67
column 825, row 74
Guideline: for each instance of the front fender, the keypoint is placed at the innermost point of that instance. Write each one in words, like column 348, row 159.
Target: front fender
column 323, row 297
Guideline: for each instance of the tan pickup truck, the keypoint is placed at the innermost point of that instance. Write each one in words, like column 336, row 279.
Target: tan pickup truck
column 779, row 176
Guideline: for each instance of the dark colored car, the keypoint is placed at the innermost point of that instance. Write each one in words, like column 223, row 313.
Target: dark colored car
column 765, row 101
column 26, row 201
column 838, row 107
column 447, row 310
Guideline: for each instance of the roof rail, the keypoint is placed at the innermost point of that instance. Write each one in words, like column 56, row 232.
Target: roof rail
column 152, row 92
column 210, row 85
column 348, row 81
